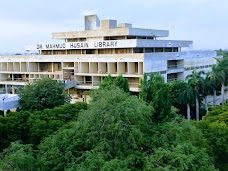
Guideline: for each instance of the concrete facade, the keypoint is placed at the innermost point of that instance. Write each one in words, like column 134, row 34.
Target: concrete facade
column 104, row 47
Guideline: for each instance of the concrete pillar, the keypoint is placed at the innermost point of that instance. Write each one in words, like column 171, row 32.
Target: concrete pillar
column 13, row 89
column 52, row 67
column 6, row 88
column 5, row 111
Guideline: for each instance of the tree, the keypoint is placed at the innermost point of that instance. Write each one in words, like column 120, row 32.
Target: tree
column 207, row 88
column 117, row 133
column 119, row 81
column 43, row 94
column 107, row 82
column 111, row 134
column 32, row 127
column 196, row 81
column 223, row 53
column 220, row 74
column 213, row 82
column 122, row 83
column 182, row 97
column 14, row 127
column 156, row 93
column 186, row 97
column 215, row 129
column 17, row 157
column 177, row 145
column 43, row 123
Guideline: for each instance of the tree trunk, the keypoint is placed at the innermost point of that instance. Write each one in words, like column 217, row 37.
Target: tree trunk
column 206, row 107
column 214, row 98
column 222, row 94
column 197, row 108
column 188, row 112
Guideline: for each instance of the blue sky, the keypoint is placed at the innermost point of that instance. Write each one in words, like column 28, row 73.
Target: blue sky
column 33, row 21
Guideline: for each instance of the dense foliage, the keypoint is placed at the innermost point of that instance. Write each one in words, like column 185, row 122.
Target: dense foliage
column 116, row 132
column 43, row 94
column 32, row 127
column 215, row 129
column 155, row 92
column 119, row 81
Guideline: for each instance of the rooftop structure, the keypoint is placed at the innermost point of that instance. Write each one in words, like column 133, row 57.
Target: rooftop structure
column 83, row 58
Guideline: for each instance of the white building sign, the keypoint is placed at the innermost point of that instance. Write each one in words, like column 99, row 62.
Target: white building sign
column 84, row 45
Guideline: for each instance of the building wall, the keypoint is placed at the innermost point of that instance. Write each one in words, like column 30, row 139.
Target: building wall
column 103, row 48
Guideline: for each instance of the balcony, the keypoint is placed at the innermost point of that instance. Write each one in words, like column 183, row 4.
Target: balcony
column 87, row 84
column 134, row 87
column 175, row 69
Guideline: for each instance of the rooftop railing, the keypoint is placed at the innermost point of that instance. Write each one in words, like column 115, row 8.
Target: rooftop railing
column 96, row 83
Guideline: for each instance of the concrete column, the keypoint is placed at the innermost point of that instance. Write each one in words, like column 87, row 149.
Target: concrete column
column 52, row 67
column 5, row 111
column 13, row 89
column 6, row 88
column 90, row 68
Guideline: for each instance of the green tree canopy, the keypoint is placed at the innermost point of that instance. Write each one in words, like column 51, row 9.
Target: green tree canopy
column 177, row 145
column 119, row 81
column 117, row 133
column 17, row 157
column 155, row 92
column 43, row 123
column 43, row 94
column 111, row 134
column 32, row 127
column 215, row 129
column 122, row 83
column 14, row 127
column 195, row 80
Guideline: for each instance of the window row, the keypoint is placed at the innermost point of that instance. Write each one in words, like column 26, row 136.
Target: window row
column 108, row 51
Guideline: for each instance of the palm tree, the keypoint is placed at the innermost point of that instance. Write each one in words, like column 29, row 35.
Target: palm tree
column 214, row 81
column 219, row 75
column 187, row 97
column 196, row 81
column 207, row 88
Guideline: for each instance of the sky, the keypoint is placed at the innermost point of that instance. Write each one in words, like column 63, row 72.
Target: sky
column 25, row 22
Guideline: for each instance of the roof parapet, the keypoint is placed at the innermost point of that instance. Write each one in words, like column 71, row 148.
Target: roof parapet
column 108, row 24
column 125, row 25
column 92, row 22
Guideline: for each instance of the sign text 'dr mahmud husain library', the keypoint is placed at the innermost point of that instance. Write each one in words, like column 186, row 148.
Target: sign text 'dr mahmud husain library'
column 85, row 45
